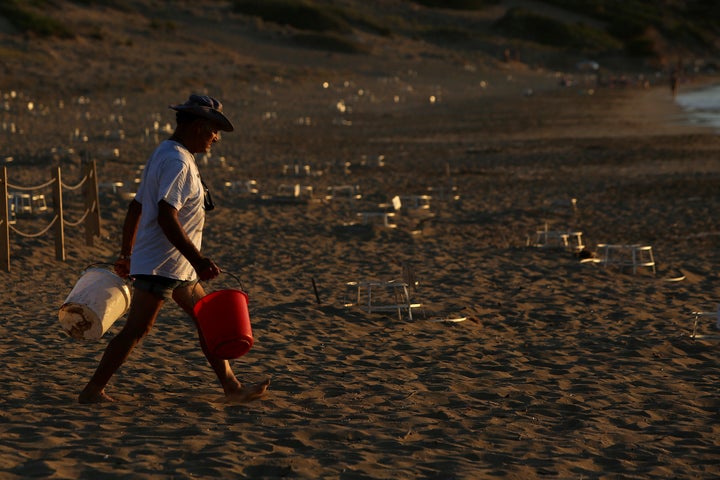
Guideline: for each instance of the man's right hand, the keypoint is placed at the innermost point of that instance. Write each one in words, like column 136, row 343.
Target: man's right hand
column 206, row 269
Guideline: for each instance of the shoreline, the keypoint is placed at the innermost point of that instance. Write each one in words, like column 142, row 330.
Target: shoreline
column 656, row 110
column 698, row 112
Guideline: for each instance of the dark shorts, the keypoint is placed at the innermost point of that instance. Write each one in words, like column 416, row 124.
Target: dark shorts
column 163, row 287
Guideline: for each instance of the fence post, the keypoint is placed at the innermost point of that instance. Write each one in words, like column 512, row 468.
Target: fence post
column 60, row 226
column 5, row 227
column 92, row 204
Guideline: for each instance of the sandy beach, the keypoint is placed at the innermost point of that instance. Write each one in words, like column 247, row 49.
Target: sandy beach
column 563, row 367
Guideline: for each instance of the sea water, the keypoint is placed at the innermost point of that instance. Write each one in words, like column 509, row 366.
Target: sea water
column 702, row 105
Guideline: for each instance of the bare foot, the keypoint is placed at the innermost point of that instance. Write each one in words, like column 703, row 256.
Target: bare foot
column 94, row 397
column 249, row 393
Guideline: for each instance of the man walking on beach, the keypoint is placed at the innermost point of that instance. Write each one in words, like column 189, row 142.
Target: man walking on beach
column 163, row 232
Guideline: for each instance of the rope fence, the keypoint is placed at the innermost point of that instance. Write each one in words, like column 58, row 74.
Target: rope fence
column 82, row 219
column 38, row 234
column 73, row 187
column 30, row 189
column 90, row 216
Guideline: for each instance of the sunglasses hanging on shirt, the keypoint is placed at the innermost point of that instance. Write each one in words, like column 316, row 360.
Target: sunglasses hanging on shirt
column 208, row 203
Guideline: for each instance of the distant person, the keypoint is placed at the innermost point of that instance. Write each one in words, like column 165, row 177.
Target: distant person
column 507, row 55
column 674, row 82
column 160, row 247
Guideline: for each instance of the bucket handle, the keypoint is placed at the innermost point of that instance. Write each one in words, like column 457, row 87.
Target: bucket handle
column 127, row 280
column 99, row 264
column 235, row 277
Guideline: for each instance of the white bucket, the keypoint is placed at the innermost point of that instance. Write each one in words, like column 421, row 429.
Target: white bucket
column 98, row 299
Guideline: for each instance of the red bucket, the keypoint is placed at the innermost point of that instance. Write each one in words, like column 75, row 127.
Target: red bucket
column 224, row 321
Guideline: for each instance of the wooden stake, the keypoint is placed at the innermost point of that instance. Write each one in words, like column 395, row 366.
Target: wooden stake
column 317, row 297
column 5, row 227
column 60, row 226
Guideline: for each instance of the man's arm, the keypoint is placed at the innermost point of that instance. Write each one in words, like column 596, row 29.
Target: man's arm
column 130, row 226
column 129, row 231
column 168, row 221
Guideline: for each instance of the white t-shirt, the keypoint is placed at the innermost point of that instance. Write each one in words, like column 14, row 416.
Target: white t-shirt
column 171, row 175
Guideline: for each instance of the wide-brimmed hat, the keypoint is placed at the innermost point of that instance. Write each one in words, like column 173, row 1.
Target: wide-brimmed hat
column 206, row 107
